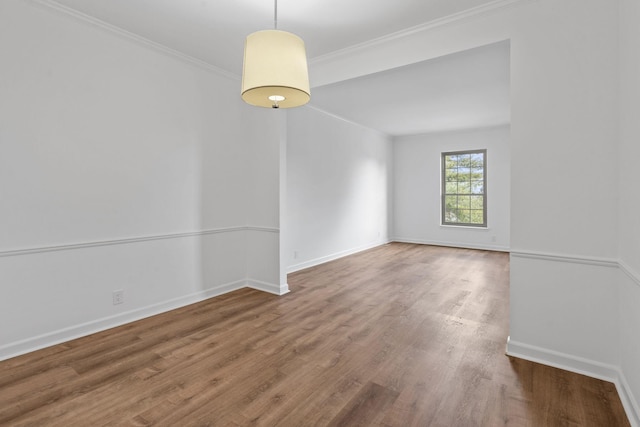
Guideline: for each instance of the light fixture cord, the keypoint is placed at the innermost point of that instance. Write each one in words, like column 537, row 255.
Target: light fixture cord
column 275, row 14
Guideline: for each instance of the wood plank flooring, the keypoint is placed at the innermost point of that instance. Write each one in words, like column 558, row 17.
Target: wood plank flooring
column 400, row 335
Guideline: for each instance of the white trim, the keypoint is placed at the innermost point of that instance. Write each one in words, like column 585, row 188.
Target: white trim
column 576, row 259
column 99, row 243
column 351, row 122
column 127, row 35
column 465, row 245
column 95, row 22
column 67, row 334
column 581, row 366
column 271, row 288
column 262, row 229
column 472, row 129
column 630, row 403
column 476, row 11
column 560, row 360
column 464, row 227
column 93, row 326
column 633, row 275
column 334, row 256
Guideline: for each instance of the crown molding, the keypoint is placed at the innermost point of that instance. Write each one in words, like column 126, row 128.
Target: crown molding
column 53, row 5
column 342, row 119
column 124, row 34
column 466, row 14
column 471, row 129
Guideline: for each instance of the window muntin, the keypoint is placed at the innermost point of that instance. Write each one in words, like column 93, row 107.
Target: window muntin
column 464, row 188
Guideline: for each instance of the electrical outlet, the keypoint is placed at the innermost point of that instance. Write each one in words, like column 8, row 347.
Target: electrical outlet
column 295, row 254
column 118, row 297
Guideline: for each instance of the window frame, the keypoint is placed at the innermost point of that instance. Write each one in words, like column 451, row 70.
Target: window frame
column 443, row 188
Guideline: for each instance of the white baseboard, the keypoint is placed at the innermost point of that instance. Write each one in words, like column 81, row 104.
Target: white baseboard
column 582, row 366
column 484, row 247
column 629, row 401
column 334, row 256
column 271, row 288
column 77, row 331
column 563, row 361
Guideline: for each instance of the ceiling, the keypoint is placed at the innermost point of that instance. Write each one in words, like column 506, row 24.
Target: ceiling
column 213, row 31
column 464, row 90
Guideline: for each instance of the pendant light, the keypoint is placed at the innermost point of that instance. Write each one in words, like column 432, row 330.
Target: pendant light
column 275, row 73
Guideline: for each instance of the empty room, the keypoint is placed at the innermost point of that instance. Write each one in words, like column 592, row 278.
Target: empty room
column 426, row 215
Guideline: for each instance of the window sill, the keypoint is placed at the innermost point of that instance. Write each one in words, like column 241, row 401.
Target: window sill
column 465, row 227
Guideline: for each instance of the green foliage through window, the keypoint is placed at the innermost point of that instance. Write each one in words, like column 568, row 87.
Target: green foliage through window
column 464, row 185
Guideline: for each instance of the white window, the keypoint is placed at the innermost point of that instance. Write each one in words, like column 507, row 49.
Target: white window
column 464, row 188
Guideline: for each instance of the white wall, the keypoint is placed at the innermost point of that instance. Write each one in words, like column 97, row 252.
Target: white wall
column 629, row 133
column 564, row 296
column 263, row 138
column 122, row 167
column 338, row 182
column 416, row 216
column 629, row 206
column 564, row 126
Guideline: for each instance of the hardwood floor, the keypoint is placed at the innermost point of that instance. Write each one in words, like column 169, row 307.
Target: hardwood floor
column 400, row 335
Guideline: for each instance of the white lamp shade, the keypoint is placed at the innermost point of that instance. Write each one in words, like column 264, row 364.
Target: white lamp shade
column 275, row 65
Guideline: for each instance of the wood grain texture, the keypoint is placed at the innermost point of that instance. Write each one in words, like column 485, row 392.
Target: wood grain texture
column 400, row 335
